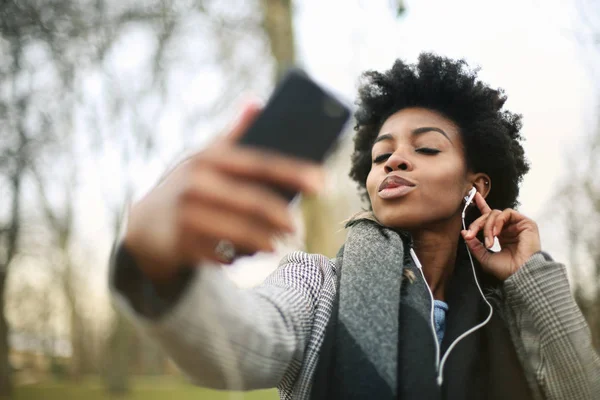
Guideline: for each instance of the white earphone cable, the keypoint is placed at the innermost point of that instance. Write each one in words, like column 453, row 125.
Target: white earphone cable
column 440, row 364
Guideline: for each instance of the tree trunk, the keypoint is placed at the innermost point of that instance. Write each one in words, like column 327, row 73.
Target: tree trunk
column 13, row 233
column 79, row 343
column 117, row 364
column 5, row 372
column 120, row 346
column 278, row 25
column 11, row 251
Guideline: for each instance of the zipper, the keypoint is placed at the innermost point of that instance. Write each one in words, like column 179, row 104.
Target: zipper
column 439, row 364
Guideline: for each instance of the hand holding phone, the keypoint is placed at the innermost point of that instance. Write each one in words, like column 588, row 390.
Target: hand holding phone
column 301, row 120
column 225, row 192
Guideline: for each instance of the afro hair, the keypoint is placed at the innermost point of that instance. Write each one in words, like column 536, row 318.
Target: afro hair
column 491, row 135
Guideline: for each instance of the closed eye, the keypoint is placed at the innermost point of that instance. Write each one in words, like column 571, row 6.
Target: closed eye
column 427, row 150
column 381, row 158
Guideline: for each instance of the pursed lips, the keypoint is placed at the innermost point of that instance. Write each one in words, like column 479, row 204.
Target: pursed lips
column 394, row 186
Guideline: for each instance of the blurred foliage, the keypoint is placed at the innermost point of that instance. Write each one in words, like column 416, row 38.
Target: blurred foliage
column 143, row 389
column 50, row 124
column 400, row 7
column 577, row 201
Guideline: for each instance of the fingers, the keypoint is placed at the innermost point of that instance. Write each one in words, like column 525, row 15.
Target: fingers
column 217, row 207
column 197, row 249
column 506, row 218
column 488, row 227
column 476, row 226
column 240, row 197
column 482, row 204
column 476, row 247
column 281, row 171
column 494, row 224
column 486, row 223
column 203, row 229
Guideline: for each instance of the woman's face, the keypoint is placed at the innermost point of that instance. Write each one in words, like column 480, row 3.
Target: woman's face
column 418, row 174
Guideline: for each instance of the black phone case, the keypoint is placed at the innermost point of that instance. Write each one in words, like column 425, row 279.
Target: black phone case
column 300, row 119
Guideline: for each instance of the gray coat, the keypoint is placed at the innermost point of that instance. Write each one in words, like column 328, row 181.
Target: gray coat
column 224, row 337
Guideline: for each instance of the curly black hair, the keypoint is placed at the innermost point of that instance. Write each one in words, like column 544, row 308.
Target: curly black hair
column 491, row 136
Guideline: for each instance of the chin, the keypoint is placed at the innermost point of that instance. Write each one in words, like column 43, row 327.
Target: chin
column 394, row 219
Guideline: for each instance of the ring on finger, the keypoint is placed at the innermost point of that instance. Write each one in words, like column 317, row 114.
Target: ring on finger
column 225, row 250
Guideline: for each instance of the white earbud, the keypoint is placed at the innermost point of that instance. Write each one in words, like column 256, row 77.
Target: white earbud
column 468, row 200
column 470, row 196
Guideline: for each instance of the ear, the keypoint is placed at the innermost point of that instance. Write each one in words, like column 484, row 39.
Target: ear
column 482, row 183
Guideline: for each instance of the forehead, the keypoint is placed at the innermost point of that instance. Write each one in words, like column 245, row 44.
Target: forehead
column 408, row 119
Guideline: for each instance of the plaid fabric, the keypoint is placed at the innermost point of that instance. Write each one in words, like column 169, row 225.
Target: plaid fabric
column 551, row 333
column 229, row 338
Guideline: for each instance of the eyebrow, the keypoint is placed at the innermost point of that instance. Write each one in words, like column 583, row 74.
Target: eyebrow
column 417, row 131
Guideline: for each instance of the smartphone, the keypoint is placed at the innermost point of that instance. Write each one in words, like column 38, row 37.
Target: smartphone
column 300, row 119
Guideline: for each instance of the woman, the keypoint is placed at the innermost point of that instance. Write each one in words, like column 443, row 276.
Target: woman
column 402, row 312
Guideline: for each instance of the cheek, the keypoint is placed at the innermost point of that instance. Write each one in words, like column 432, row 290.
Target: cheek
column 372, row 182
column 445, row 189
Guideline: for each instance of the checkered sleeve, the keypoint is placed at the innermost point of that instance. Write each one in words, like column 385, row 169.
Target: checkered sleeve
column 225, row 337
column 552, row 334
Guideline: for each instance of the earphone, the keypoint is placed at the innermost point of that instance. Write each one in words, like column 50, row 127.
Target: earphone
column 468, row 200
column 440, row 366
column 469, row 197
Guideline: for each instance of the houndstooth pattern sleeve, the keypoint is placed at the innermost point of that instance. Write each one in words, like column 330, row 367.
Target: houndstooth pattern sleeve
column 224, row 337
column 314, row 275
column 551, row 331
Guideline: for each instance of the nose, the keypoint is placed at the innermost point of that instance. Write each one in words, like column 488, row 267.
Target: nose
column 397, row 162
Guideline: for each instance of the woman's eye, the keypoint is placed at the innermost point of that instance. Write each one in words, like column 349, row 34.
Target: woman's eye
column 381, row 158
column 427, row 150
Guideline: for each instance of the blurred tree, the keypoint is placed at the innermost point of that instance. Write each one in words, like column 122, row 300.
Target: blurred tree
column 52, row 48
column 578, row 199
column 400, row 7
column 44, row 44
column 60, row 219
column 53, row 51
column 26, row 37
column 319, row 226
column 578, row 204
column 278, row 25
column 224, row 45
column 322, row 215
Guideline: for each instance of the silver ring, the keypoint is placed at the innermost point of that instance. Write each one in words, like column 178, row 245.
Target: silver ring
column 225, row 250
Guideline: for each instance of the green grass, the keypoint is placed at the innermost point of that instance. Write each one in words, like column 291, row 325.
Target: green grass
column 142, row 389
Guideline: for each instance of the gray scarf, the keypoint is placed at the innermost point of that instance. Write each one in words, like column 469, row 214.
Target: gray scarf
column 379, row 343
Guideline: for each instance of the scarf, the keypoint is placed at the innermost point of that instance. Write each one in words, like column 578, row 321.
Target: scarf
column 379, row 343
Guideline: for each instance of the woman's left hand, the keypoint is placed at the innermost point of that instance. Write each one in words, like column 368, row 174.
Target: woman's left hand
column 518, row 236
